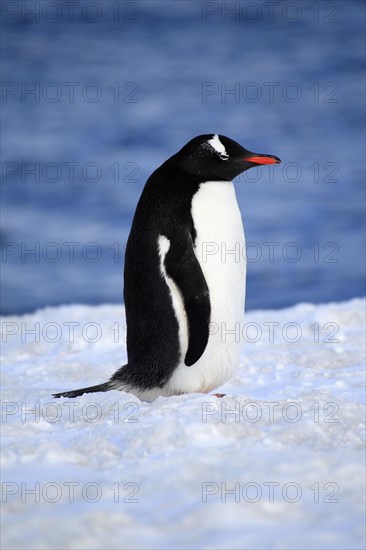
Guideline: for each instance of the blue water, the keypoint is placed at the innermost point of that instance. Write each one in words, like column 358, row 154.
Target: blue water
column 143, row 86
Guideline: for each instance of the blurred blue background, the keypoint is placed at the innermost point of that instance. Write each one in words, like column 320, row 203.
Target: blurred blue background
column 118, row 92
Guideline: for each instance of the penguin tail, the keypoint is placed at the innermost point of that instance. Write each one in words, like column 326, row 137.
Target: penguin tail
column 91, row 389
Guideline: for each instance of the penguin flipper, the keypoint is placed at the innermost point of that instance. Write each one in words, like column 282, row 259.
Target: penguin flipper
column 183, row 268
column 91, row 389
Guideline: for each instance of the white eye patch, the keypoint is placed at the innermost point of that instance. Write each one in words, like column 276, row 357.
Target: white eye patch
column 219, row 147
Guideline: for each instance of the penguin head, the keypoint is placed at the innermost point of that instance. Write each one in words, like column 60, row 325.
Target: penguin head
column 212, row 157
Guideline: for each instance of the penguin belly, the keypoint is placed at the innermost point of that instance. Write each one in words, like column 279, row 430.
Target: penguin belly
column 219, row 248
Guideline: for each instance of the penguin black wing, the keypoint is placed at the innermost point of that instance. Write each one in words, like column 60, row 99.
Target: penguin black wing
column 184, row 269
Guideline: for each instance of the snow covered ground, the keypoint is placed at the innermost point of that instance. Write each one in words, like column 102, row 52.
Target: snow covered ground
column 285, row 469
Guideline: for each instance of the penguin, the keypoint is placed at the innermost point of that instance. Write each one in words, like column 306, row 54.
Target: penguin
column 185, row 273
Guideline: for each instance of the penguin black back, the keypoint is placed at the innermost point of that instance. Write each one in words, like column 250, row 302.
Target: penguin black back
column 164, row 208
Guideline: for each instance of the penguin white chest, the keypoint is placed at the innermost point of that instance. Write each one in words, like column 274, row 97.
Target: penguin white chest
column 219, row 248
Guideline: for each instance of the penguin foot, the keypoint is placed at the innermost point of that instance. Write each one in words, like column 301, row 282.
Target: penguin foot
column 218, row 395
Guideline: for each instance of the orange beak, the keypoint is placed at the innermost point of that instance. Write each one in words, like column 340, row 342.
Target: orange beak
column 263, row 159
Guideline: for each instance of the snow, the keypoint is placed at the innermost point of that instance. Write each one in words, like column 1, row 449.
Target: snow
column 172, row 455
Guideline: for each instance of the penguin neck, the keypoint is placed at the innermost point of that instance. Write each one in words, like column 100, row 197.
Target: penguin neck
column 175, row 170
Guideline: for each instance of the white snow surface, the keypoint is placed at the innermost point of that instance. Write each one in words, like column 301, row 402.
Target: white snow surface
column 176, row 464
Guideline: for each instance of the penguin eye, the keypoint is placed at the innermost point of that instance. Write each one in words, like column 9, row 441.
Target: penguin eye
column 223, row 156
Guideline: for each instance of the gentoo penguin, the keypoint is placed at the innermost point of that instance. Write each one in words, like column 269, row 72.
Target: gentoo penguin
column 184, row 278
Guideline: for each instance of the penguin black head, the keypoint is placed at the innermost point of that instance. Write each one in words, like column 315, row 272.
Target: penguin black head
column 218, row 158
